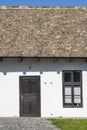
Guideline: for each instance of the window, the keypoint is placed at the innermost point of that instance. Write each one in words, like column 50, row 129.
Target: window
column 72, row 88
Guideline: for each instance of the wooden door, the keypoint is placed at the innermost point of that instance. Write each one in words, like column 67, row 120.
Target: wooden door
column 30, row 96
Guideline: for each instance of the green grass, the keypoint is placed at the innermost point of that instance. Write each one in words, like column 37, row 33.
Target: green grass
column 70, row 124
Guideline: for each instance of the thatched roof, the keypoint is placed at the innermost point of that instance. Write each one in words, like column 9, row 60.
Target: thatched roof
column 43, row 32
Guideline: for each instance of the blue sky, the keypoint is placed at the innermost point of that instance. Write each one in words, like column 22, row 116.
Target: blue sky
column 44, row 2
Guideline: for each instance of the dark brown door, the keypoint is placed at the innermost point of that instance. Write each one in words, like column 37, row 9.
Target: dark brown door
column 30, row 96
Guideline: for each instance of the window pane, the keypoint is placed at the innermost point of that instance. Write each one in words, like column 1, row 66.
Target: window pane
column 68, row 99
column 67, row 77
column 67, row 90
column 76, row 76
column 77, row 99
column 77, row 90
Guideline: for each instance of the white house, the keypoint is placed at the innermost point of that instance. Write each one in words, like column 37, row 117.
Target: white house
column 43, row 61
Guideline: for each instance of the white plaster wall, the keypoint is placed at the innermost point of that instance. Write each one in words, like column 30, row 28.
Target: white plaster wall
column 52, row 102
column 51, row 86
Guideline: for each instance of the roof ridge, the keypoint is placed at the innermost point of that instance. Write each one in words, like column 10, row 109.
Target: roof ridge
column 42, row 7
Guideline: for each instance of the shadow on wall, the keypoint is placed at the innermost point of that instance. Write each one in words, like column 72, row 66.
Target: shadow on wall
column 10, row 65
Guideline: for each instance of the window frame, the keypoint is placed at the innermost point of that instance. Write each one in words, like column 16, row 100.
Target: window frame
column 73, row 85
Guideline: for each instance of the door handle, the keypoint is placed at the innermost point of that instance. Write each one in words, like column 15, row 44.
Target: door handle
column 22, row 97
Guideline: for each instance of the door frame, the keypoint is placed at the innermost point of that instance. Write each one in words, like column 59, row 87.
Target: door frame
column 20, row 106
